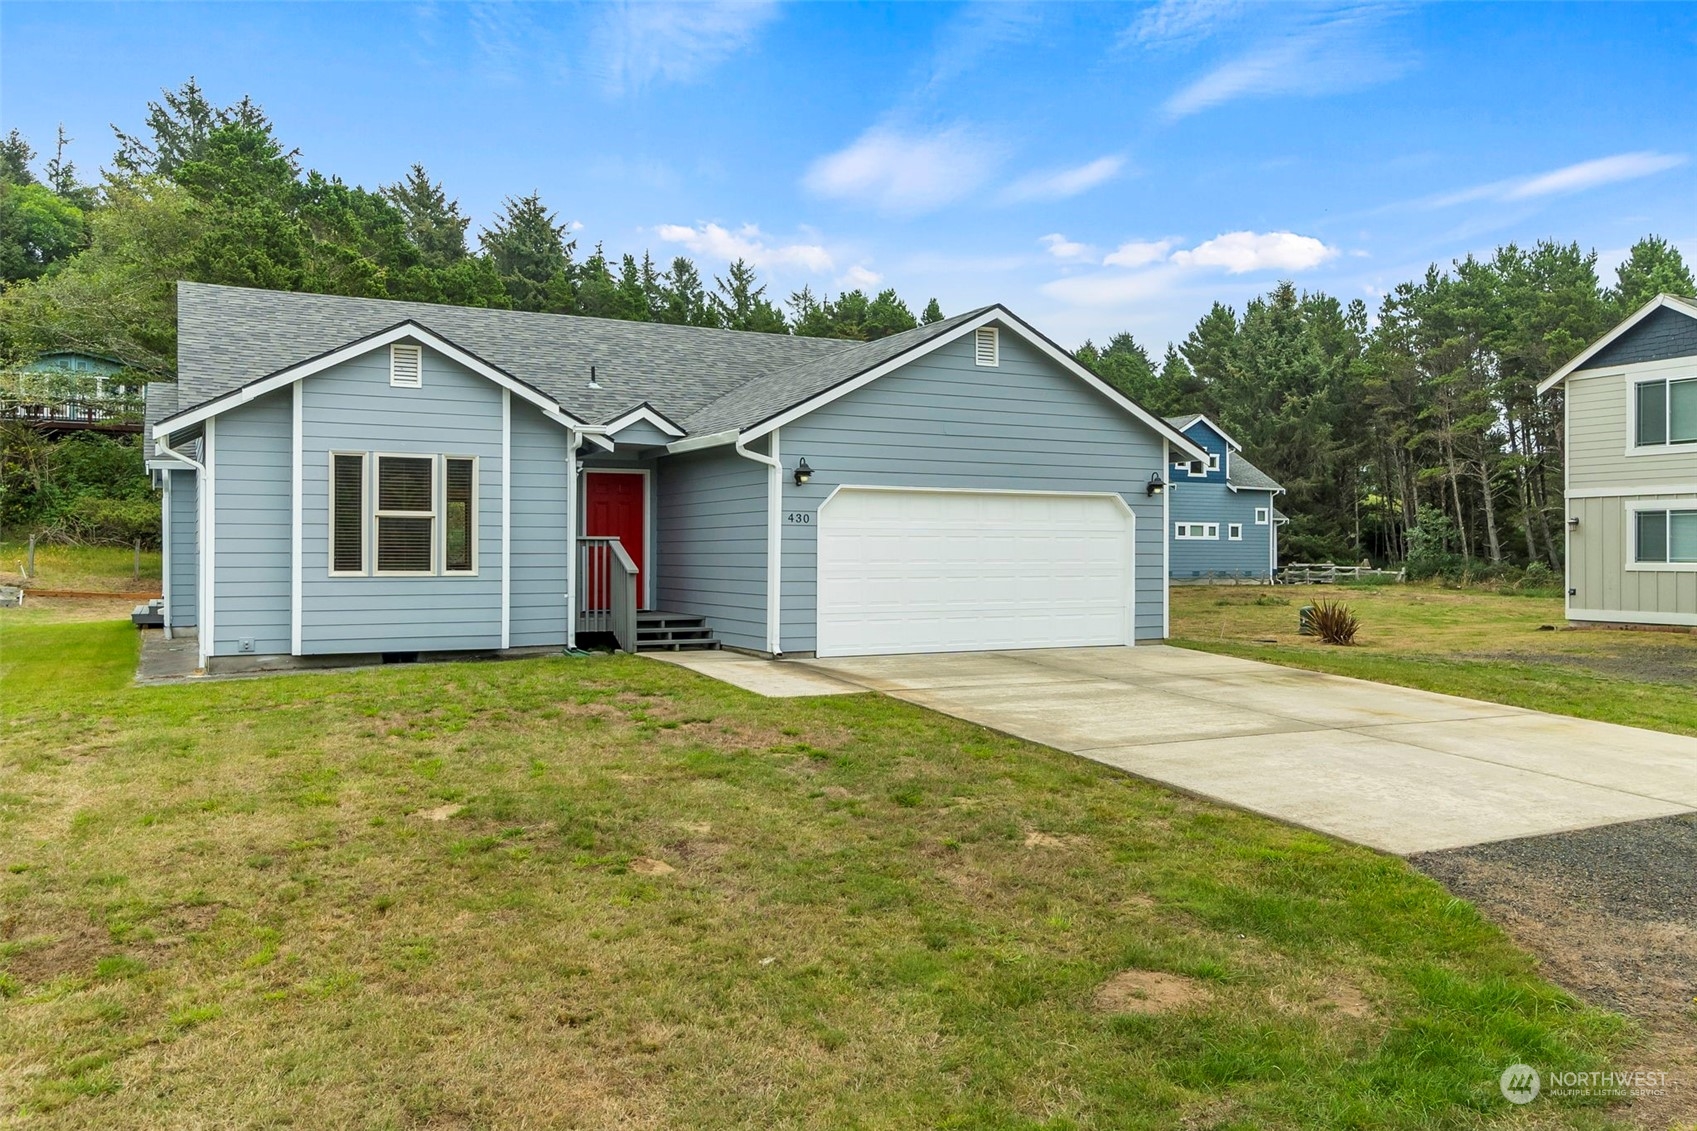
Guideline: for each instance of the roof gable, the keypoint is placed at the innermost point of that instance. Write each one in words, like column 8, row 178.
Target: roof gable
column 1665, row 327
column 1189, row 421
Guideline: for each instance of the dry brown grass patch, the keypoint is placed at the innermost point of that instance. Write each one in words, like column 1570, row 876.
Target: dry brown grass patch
column 1148, row 991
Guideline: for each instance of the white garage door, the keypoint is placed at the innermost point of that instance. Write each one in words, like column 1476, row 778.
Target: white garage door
column 956, row 571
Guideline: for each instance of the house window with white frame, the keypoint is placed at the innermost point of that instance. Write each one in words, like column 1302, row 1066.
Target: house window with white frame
column 1665, row 537
column 1195, row 531
column 402, row 515
column 1261, row 516
column 1234, row 532
column 1665, row 412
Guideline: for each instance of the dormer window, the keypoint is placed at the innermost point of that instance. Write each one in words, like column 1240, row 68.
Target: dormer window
column 987, row 347
column 406, row 366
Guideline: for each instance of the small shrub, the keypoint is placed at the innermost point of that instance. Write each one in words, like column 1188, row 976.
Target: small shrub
column 1268, row 600
column 1334, row 623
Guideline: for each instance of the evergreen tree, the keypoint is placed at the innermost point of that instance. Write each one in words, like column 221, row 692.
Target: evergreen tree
column 1653, row 267
column 433, row 222
column 531, row 255
column 887, row 314
column 179, row 128
column 933, row 313
column 740, row 302
column 683, row 296
column 15, row 155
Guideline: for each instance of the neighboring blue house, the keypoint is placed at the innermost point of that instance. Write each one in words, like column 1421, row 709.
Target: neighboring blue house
column 356, row 478
column 1224, row 524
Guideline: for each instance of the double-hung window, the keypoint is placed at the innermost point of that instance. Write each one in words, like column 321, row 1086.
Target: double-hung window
column 1665, row 537
column 402, row 515
column 1665, row 412
column 1261, row 516
column 1194, row 531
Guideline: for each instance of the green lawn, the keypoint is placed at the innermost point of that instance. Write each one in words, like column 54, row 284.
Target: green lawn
column 605, row 891
column 90, row 569
column 1503, row 648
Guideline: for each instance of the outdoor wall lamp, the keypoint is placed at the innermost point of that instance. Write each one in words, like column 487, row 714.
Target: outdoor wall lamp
column 1155, row 484
column 1573, row 523
column 802, row 473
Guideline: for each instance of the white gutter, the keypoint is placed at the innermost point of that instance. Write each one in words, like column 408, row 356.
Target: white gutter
column 575, row 442
column 203, row 499
column 708, row 440
column 774, row 537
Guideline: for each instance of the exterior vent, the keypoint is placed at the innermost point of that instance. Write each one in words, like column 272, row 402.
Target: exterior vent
column 986, row 347
column 406, row 366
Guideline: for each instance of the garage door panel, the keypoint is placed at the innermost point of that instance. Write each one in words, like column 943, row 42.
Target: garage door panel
column 926, row 571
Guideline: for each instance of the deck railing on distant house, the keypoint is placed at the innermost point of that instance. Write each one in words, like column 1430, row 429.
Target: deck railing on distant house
column 1326, row 573
column 606, row 586
column 60, row 401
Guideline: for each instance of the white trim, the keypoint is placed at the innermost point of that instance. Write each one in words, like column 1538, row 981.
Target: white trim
column 365, row 508
column 1204, row 418
column 642, row 412
column 1622, row 616
column 1668, row 379
column 506, row 518
column 295, row 478
column 209, row 558
column 774, row 536
column 375, row 511
column 399, row 353
column 1210, row 532
column 1634, row 508
column 1234, row 531
column 1633, row 491
column 202, row 473
column 476, row 506
column 1026, row 332
column 405, row 331
column 1263, row 516
column 1597, row 346
column 986, row 347
column 574, row 440
column 167, row 515
column 707, row 440
column 648, row 526
column 1166, row 564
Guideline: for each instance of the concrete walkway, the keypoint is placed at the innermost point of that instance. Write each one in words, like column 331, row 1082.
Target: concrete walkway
column 775, row 679
column 1396, row 769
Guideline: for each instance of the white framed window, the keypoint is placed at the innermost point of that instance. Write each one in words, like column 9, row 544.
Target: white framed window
column 404, row 520
column 1234, row 532
column 347, row 513
column 1213, row 461
column 1195, row 467
column 1664, row 412
column 406, row 365
column 987, row 346
column 459, row 514
column 1195, row 531
column 1261, row 516
column 1664, row 535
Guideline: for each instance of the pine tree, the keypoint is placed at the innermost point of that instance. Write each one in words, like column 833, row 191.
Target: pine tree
column 15, row 155
column 933, row 313
column 433, row 222
column 531, row 254
column 1653, row 267
column 683, row 297
column 741, row 304
column 179, row 129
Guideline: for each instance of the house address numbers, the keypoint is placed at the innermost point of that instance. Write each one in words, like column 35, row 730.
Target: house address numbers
column 799, row 518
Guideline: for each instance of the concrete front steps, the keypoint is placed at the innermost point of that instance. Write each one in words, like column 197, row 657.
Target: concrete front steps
column 669, row 632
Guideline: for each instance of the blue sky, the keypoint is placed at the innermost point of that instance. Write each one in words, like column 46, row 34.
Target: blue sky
column 1095, row 167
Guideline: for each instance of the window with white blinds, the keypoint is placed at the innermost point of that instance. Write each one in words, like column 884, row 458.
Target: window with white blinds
column 402, row 515
column 347, row 512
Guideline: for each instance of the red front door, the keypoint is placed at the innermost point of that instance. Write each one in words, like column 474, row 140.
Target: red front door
column 613, row 508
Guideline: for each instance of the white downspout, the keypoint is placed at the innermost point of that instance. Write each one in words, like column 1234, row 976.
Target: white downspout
column 203, row 499
column 573, row 444
column 165, row 550
column 774, row 537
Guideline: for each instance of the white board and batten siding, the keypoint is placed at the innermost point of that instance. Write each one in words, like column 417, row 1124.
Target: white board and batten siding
column 945, row 421
column 903, row 570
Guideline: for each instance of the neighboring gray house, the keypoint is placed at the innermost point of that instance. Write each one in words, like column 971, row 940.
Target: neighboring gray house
column 1631, row 443
column 1224, row 524
column 356, row 477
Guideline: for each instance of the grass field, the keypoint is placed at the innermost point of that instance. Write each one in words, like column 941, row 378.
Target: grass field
column 1503, row 648
column 89, row 569
column 604, row 891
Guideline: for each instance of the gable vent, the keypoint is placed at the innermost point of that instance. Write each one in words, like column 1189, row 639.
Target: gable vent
column 986, row 347
column 406, row 366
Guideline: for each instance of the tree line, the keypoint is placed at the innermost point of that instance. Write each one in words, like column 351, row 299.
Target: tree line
column 210, row 194
column 1410, row 430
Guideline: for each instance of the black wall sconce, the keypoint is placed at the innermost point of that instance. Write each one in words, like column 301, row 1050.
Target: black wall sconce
column 802, row 473
column 1155, row 485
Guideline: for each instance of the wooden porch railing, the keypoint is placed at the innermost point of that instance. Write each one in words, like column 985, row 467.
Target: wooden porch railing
column 606, row 586
column 1326, row 573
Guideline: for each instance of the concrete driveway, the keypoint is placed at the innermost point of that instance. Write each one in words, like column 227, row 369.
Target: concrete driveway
column 1400, row 770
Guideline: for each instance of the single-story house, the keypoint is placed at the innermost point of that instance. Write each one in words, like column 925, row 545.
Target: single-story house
column 1224, row 524
column 356, row 478
column 1631, row 444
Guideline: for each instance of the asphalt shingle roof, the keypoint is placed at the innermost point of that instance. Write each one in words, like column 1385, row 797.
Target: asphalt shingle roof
column 228, row 337
column 160, row 401
column 1246, row 475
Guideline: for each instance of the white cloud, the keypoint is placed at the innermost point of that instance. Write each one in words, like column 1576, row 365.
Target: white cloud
column 633, row 44
column 1570, row 178
column 977, row 32
column 1066, row 250
column 747, row 242
column 1179, row 22
column 859, row 276
column 1139, row 254
column 1114, row 288
column 905, row 173
column 1241, row 252
column 1335, row 52
column 1059, row 184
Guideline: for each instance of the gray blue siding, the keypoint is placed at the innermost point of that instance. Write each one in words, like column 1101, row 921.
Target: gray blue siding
column 641, row 434
column 943, row 421
column 712, row 540
column 1664, row 334
column 184, row 520
column 1207, row 498
column 353, row 408
column 538, row 598
column 250, row 449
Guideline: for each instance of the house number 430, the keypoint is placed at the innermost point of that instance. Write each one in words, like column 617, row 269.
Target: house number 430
column 799, row 518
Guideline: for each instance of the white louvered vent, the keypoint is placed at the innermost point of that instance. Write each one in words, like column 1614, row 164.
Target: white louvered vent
column 406, row 366
column 986, row 346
